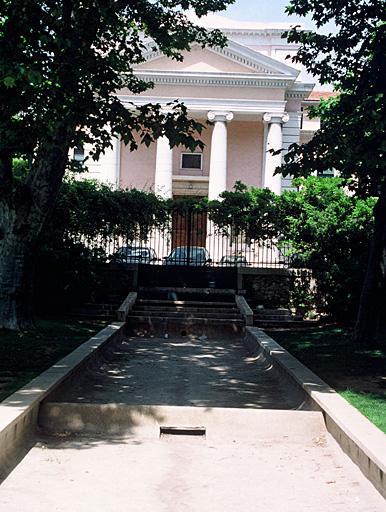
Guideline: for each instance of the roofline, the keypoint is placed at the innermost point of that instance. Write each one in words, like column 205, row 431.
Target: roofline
column 240, row 54
column 258, row 56
column 218, row 79
column 259, row 31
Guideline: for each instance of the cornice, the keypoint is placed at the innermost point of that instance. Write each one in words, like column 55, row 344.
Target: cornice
column 299, row 91
column 214, row 79
column 184, row 177
column 255, row 31
column 252, row 107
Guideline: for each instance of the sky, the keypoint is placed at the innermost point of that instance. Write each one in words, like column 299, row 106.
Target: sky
column 259, row 10
column 266, row 10
column 273, row 10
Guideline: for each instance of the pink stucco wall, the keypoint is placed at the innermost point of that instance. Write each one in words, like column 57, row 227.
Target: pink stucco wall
column 205, row 137
column 138, row 167
column 245, row 154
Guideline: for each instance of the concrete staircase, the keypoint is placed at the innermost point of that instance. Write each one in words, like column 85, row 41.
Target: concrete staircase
column 279, row 318
column 185, row 311
column 103, row 309
column 271, row 317
column 96, row 311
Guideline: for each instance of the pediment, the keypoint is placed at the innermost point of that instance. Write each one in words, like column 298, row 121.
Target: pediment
column 235, row 58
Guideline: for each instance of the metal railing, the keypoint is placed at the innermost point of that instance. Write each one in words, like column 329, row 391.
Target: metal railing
column 191, row 239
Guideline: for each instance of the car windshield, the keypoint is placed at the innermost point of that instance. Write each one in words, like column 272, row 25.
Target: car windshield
column 124, row 251
column 195, row 253
column 139, row 252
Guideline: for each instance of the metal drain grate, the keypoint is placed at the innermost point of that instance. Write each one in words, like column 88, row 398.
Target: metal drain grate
column 182, row 431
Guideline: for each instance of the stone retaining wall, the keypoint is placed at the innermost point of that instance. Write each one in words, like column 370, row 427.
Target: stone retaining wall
column 266, row 286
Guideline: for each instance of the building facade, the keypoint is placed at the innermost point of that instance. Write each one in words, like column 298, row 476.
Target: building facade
column 249, row 94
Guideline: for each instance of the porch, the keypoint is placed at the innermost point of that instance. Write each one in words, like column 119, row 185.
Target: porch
column 237, row 145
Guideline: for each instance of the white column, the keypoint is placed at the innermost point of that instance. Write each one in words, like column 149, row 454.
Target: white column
column 117, row 160
column 218, row 153
column 164, row 168
column 274, row 141
column 107, row 168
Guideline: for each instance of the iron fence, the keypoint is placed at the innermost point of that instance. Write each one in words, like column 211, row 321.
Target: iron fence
column 189, row 238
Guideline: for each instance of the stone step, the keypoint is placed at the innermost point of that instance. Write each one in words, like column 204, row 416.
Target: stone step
column 183, row 326
column 216, row 304
column 273, row 318
column 196, row 294
column 94, row 316
column 216, row 319
column 206, row 291
column 277, row 312
column 92, row 305
column 186, row 308
column 184, row 314
column 275, row 324
column 95, row 311
column 146, row 421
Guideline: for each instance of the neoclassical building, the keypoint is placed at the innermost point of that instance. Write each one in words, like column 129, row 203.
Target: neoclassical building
column 254, row 99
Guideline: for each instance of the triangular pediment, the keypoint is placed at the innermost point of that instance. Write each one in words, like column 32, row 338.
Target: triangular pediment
column 235, row 58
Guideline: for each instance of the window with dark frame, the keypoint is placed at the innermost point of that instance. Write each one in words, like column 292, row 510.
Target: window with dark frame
column 79, row 154
column 191, row 161
column 329, row 173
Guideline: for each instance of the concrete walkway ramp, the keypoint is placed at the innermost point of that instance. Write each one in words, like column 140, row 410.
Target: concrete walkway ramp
column 183, row 371
column 225, row 460
column 184, row 425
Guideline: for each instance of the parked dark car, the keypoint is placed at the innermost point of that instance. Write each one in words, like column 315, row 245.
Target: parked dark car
column 196, row 256
column 134, row 254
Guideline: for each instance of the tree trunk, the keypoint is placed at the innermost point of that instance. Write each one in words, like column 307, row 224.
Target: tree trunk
column 16, row 283
column 21, row 219
column 370, row 328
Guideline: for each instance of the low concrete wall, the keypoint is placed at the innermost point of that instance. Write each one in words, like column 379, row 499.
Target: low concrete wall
column 19, row 412
column 358, row 437
column 126, row 306
column 244, row 309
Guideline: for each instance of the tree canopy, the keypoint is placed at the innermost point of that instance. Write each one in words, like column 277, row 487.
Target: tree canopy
column 61, row 67
column 352, row 137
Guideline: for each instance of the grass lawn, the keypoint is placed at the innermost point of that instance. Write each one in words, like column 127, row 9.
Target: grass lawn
column 358, row 374
column 23, row 356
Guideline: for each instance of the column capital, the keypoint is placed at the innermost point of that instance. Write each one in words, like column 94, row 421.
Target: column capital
column 274, row 117
column 223, row 116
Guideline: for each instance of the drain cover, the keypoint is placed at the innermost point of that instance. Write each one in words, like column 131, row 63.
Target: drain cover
column 182, row 431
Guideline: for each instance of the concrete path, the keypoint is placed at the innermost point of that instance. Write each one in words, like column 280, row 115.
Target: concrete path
column 260, row 452
column 188, row 475
column 183, row 371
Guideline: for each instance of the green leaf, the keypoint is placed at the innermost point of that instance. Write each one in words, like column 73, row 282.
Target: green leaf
column 9, row 81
